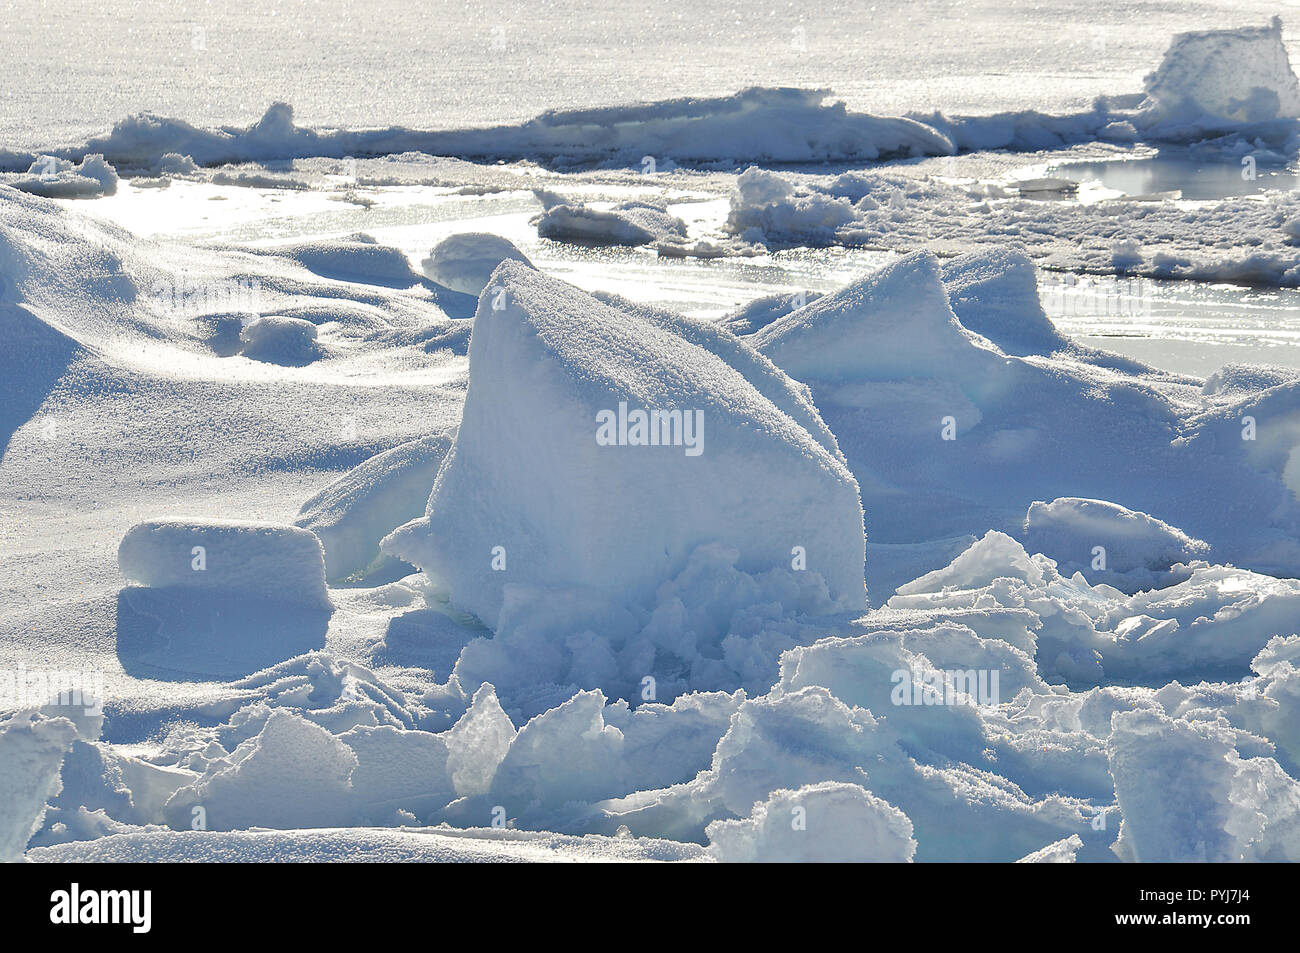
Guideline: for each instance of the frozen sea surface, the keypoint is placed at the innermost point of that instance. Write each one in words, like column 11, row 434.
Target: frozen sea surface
column 242, row 407
column 74, row 67
column 1188, row 327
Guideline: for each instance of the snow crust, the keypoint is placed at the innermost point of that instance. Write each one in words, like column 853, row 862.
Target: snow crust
column 354, row 258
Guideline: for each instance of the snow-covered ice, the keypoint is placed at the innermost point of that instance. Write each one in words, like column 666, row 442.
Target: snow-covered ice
column 851, row 825
column 352, row 515
column 1117, row 546
column 53, row 177
column 383, row 518
column 31, row 750
column 1213, row 80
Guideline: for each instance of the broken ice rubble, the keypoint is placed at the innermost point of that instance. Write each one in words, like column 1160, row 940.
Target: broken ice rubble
column 775, row 692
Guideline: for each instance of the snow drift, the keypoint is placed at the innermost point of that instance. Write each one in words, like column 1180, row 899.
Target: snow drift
column 277, row 339
column 352, row 515
column 994, row 292
column 853, row 334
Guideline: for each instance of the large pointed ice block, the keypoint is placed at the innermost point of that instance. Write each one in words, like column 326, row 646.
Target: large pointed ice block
column 554, row 481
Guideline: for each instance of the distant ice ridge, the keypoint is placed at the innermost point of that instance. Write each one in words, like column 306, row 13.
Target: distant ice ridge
column 1210, row 82
column 760, row 125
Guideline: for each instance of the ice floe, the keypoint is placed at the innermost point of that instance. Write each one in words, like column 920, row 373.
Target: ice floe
column 627, row 223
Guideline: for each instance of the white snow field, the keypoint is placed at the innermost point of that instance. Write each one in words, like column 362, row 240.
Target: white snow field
column 804, row 494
